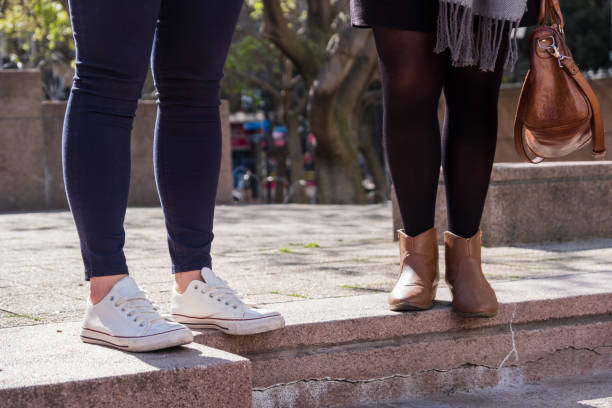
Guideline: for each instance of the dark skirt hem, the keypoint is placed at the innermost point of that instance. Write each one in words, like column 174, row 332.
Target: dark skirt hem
column 419, row 15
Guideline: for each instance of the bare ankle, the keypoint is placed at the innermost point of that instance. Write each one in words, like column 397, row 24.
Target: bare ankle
column 99, row 286
column 183, row 279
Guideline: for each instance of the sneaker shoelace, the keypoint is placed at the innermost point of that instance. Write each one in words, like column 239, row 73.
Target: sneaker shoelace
column 140, row 309
column 223, row 293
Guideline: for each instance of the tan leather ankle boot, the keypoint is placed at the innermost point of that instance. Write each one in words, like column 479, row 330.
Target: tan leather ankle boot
column 417, row 282
column 472, row 294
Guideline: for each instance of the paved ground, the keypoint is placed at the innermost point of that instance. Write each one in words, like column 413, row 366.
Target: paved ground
column 593, row 391
column 270, row 253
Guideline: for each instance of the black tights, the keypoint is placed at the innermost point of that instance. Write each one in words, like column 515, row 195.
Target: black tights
column 413, row 77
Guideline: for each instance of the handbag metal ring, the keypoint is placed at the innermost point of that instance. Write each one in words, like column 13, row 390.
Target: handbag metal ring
column 552, row 49
column 547, row 47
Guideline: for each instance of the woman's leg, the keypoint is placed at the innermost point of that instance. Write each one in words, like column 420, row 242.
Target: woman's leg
column 191, row 45
column 113, row 42
column 469, row 140
column 412, row 77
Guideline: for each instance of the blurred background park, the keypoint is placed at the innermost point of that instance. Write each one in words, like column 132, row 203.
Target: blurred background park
column 303, row 102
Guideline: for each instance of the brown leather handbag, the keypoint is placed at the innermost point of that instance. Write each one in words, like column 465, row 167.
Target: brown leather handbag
column 558, row 113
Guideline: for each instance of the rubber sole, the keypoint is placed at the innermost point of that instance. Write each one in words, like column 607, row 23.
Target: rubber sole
column 233, row 327
column 409, row 307
column 138, row 344
column 475, row 315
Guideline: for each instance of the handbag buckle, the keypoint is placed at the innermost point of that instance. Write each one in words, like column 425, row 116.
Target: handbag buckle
column 552, row 49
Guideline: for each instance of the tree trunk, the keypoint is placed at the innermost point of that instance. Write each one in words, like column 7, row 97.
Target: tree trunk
column 296, row 155
column 370, row 155
column 337, row 171
column 281, row 175
column 337, row 183
column 334, row 117
column 325, row 66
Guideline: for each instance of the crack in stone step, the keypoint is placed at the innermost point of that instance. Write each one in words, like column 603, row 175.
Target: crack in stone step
column 368, row 344
column 513, row 350
column 420, row 372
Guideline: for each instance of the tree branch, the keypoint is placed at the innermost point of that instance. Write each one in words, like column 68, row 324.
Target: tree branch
column 336, row 8
column 343, row 51
column 3, row 6
column 318, row 15
column 294, row 81
column 64, row 4
column 360, row 77
column 256, row 81
column 301, row 105
column 371, row 97
column 247, row 25
column 276, row 29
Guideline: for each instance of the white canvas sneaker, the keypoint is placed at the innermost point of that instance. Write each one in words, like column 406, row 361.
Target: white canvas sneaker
column 214, row 305
column 127, row 320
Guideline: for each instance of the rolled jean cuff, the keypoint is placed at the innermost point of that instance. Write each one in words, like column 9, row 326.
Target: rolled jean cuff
column 192, row 265
column 105, row 271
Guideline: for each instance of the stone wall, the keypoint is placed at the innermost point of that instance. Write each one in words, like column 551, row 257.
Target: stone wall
column 23, row 153
column 30, row 148
column 546, row 202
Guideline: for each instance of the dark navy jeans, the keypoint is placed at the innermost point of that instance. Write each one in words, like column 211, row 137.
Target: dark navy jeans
column 187, row 43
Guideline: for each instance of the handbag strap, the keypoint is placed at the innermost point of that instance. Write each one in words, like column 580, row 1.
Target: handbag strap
column 599, row 147
column 552, row 10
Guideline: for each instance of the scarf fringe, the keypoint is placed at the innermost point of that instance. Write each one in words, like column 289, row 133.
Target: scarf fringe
column 468, row 48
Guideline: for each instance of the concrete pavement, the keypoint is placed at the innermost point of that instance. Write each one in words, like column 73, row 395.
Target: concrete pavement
column 276, row 253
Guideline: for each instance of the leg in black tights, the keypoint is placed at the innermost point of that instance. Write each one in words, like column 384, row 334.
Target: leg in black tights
column 468, row 142
column 412, row 78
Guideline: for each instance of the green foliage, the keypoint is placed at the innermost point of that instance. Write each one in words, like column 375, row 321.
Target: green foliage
column 312, row 245
column 252, row 53
column 587, row 25
column 253, row 56
column 35, row 29
column 289, row 6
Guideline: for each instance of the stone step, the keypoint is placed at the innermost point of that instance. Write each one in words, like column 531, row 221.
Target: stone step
column 343, row 351
column 333, row 352
column 49, row 366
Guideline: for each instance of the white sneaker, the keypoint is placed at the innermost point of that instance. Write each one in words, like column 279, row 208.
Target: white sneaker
column 214, row 305
column 127, row 320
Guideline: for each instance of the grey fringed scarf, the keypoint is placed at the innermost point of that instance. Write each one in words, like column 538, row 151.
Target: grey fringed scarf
column 456, row 20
